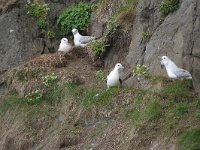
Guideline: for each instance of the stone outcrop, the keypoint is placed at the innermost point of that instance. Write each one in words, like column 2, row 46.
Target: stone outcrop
column 176, row 35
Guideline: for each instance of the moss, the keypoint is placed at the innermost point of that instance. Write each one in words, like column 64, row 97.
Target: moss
column 189, row 140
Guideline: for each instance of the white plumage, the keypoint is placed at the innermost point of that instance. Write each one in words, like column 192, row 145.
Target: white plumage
column 64, row 46
column 80, row 40
column 113, row 78
column 173, row 71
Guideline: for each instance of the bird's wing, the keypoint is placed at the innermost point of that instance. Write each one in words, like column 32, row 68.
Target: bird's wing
column 181, row 73
column 86, row 39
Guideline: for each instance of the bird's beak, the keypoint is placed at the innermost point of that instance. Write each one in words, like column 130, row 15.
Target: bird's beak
column 159, row 57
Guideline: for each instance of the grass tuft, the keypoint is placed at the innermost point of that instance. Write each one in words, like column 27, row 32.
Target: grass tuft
column 190, row 140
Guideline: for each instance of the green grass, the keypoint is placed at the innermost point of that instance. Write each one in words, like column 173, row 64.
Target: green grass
column 178, row 89
column 10, row 102
column 189, row 140
column 153, row 110
column 98, row 98
column 182, row 108
column 169, row 6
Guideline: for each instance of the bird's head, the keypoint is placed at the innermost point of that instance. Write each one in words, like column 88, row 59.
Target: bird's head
column 164, row 61
column 64, row 40
column 119, row 66
column 74, row 31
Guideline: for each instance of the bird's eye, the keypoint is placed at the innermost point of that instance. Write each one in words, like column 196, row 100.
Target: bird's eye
column 118, row 65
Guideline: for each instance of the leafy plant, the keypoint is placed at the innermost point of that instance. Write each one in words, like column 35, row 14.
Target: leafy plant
column 77, row 16
column 169, row 6
column 98, row 47
column 140, row 70
column 34, row 97
column 39, row 12
column 49, row 79
column 50, row 34
column 41, row 23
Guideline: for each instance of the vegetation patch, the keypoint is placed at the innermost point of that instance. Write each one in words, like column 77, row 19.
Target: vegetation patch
column 39, row 12
column 146, row 35
column 77, row 16
column 169, row 6
column 98, row 98
column 49, row 79
column 21, row 75
column 141, row 70
column 98, row 47
column 50, row 34
column 100, row 75
column 34, row 97
column 178, row 89
column 190, row 140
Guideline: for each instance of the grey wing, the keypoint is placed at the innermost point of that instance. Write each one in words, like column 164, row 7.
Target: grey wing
column 86, row 39
column 181, row 73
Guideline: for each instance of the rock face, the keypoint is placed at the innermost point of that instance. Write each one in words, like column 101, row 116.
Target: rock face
column 177, row 36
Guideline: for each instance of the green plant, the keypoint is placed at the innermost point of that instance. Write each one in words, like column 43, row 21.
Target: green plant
column 50, row 34
column 41, row 23
column 100, row 75
column 98, row 47
column 146, row 35
column 77, row 16
column 21, row 75
column 111, row 26
column 49, row 79
column 169, row 6
column 182, row 107
column 140, row 70
column 39, row 12
column 33, row 98
column 189, row 140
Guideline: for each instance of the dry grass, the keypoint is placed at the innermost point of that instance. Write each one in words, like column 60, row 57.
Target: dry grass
column 5, row 4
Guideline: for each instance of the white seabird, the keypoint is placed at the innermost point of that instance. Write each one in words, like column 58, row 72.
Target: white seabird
column 64, row 46
column 173, row 71
column 113, row 78
column 80, row 40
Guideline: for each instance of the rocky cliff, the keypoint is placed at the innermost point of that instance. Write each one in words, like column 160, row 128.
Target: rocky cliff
column 175, row 35
column 56, row 101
